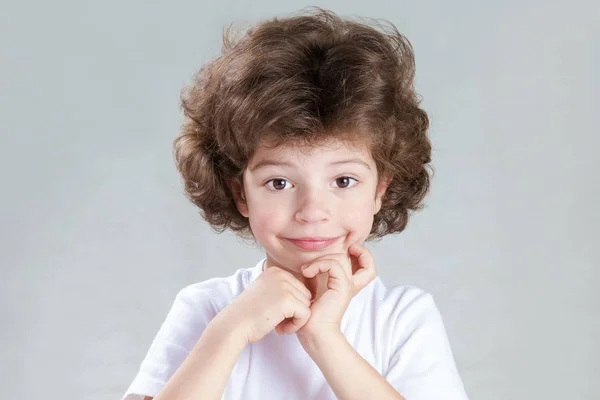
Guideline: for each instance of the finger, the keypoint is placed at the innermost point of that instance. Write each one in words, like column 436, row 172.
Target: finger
column 298, row 300
column 366, row 272
column 302, row 294
column 337, row 280
column 342, row 258
column 298, row 285
column 299, row 317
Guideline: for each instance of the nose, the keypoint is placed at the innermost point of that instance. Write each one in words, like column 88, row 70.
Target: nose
column 312, row 206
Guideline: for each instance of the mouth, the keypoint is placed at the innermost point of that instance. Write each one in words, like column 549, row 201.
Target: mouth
column 313, row 243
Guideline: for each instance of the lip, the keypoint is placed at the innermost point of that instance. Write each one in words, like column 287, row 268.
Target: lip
column 312, row 243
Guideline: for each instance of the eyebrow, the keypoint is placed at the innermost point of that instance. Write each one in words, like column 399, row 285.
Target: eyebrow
column 277, row 163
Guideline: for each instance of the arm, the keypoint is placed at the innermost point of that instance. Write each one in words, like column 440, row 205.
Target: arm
column 422, row 364
column 205, row 372
column 350, row 376
column 195, row 351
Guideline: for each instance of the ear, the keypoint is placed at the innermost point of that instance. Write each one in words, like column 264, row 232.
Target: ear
column 380, row 192
column 237, row 190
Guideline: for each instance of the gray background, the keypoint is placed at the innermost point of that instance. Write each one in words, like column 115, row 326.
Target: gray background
column 97, row 237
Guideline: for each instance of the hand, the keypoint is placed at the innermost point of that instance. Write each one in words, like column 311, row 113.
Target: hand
column 276, row 299
column 328, row 309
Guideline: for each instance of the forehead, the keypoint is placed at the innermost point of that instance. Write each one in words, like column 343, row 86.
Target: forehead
column 328, row 149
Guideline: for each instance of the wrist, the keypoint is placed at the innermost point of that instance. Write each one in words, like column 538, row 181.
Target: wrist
column 228, row 327
column 314, row 340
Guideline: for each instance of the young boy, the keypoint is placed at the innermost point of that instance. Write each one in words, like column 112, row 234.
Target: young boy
column 305, row 135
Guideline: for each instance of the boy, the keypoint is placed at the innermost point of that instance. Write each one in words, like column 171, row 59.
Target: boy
column 305, row 135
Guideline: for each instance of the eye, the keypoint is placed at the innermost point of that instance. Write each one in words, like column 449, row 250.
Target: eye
column 345, row 182
column 278, row 184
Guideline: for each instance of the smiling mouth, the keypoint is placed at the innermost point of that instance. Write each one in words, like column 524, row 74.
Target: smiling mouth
column 312, row 243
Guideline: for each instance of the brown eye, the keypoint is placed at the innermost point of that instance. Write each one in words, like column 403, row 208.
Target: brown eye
column 344, row 181
column 278, row 184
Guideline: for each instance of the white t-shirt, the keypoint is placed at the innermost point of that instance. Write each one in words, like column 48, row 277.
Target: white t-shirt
column 397, row 329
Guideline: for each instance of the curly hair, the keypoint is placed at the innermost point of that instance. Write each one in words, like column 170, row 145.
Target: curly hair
column 304, row 79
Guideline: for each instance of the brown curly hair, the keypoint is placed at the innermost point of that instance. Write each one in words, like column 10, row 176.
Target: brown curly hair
column 304, row 79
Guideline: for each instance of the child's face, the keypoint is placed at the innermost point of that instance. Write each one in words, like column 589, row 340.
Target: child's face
column 328, row 192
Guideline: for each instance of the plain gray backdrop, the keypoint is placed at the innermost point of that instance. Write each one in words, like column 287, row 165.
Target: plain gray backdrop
column 97, row 237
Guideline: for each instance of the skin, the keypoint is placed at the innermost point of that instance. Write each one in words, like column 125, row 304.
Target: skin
column 314, row 196
column 308, row 199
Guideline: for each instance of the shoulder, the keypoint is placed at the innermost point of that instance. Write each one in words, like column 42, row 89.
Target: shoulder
column 412, row 317
column 217, row 291
column 192, row 310
column 420, row 359
column 402, row 308
column 396, row 300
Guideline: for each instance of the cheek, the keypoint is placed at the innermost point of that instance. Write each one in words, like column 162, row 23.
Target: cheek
column 266, row 219
column 359, row 220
